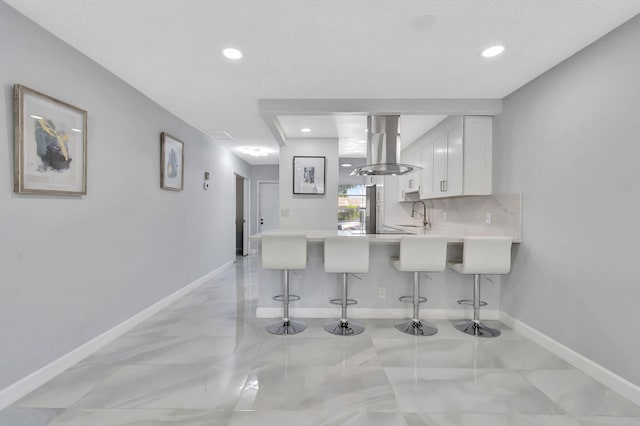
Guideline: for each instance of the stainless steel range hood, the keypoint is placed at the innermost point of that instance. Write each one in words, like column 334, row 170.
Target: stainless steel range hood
column 383, row 148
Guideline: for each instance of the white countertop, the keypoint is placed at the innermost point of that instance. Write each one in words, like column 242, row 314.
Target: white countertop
column 318, row 235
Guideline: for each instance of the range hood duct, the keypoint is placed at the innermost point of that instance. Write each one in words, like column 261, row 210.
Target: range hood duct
column 383, row 148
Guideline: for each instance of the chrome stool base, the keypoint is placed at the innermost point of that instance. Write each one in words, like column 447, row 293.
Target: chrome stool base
column 477, row 329
column 343, row 328
column 286, row 327
column 416, row 328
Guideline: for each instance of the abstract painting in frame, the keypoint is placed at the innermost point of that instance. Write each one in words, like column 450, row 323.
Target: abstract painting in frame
column 50, row 145
column 172, row 160
column 308, row 175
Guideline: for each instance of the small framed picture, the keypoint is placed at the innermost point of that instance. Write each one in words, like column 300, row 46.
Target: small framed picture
column 172, row 163
column 308, row 175
column 50, row 145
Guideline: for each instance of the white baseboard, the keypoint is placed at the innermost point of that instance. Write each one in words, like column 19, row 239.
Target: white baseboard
column 22, row 387
column 593, row 369
column 384, row 313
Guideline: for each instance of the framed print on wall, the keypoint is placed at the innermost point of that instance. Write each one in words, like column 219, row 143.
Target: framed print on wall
column 172, row 163
column 309, row 175
column 50, row 145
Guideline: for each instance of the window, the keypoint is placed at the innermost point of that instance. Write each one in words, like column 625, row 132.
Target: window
column 351, row 206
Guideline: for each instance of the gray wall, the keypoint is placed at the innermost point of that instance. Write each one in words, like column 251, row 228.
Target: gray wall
column 304, row 211
column 73, row 267
column 568, row 141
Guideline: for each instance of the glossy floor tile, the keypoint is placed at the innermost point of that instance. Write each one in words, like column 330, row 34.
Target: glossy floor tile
column 207, row 360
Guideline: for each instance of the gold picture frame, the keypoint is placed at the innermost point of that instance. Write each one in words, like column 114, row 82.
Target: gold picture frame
column 50, row 145
column 171, row 163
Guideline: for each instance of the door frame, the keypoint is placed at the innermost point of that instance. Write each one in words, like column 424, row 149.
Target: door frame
column 246, row 204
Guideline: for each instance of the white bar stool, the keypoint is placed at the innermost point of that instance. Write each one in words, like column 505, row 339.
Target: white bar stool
column 419, row 253
column 482, row 255
column 345, row 255
column 285, row 252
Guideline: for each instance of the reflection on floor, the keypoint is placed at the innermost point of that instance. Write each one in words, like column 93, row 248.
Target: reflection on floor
column 206, row 360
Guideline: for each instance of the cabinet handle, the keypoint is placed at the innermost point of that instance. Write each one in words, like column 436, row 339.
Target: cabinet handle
column 446, row 186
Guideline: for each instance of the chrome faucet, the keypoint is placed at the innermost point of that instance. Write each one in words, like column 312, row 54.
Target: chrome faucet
column 425, row 222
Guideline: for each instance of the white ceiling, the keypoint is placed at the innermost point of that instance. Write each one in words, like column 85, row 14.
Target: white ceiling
column 304, row 49
column 351, row 130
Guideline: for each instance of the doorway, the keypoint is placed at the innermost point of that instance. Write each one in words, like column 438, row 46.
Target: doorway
column 268, row 205
column 242, row 209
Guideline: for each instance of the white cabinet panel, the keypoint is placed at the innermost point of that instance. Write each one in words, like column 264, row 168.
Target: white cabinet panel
column 440, row 165
column 410, row 183
column 455, row 162
column 427, row 188
column 455, row 157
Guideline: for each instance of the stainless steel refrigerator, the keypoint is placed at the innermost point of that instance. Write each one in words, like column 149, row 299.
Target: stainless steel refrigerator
column 373, row 210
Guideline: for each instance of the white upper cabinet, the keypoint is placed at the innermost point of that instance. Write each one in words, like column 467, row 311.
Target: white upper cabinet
column 456, row 157
column 427, row 188
column 409, row 185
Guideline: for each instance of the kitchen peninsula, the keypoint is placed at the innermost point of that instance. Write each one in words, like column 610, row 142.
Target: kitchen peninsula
column 377, row 291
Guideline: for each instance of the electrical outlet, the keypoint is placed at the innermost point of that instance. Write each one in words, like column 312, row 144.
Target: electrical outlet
column 382, row 292
column 445, row 216
column 284, row 212
column 487, row 218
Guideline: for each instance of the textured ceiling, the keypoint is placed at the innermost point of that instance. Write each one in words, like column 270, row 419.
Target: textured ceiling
column 170, row 49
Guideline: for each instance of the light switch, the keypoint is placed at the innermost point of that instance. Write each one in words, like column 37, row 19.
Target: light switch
column 445, row 216
column 487, row 218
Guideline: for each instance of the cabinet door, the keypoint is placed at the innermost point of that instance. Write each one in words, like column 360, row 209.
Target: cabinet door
column 439, row 165
column 426, row 188
column 455, row 164
column 414, row 179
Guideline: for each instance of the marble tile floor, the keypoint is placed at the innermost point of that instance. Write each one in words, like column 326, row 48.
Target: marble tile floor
column 206, row 360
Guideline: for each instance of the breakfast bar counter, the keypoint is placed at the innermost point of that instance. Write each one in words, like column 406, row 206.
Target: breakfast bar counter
column 378, row 290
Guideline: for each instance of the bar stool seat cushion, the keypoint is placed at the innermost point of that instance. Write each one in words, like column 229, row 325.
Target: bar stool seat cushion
column 421, row 253
column 485, row 255
column 284, row 251
column 346, row 254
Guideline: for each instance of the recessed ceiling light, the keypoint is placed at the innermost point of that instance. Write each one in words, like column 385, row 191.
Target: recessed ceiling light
column 305, row 130
column 232, row 53
column 492, row 51
column 346, row 164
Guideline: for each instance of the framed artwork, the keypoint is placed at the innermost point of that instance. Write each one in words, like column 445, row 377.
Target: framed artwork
column 50, row 145
column 172, row 163
column 308, row 175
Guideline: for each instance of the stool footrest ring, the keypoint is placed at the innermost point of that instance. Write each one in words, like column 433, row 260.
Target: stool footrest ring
column 339, row 302
column 292, row 298
column 469, row 302
column 409, row 299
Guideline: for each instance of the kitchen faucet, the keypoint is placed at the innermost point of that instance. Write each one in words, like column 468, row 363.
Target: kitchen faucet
column 425, row 222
